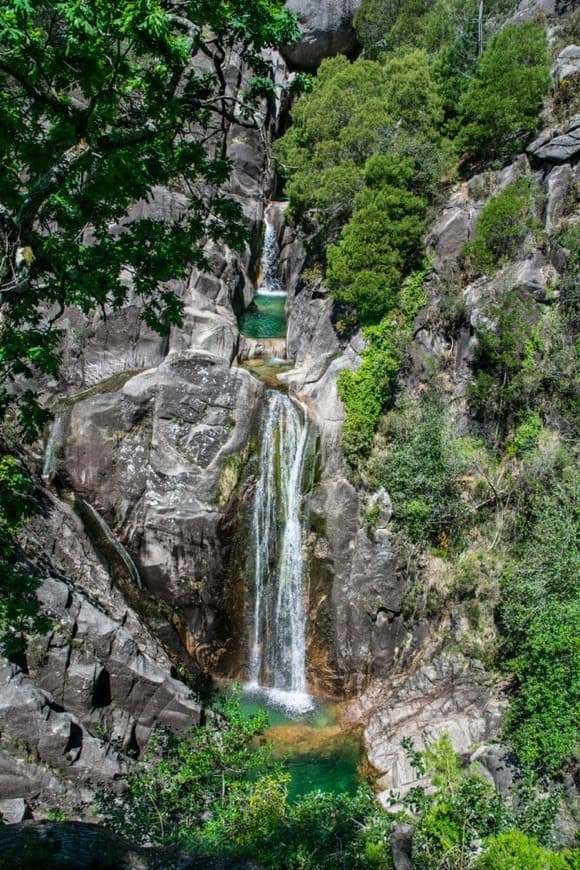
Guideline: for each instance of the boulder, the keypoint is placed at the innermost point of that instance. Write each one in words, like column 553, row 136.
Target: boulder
column 14, row 811
column 567, row 64
column 563, row 148
column 327, row 30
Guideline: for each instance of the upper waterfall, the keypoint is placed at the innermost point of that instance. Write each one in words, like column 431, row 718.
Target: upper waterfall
column 278, row 655
column 270, row 264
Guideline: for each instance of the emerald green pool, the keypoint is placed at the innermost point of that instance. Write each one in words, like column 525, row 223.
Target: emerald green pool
column 319, row 754
column 266, row 317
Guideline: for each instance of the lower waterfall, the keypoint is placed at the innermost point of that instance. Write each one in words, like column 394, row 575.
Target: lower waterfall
column 278, row 642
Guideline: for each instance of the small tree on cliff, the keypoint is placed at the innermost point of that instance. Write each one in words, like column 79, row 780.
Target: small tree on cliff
column 100, row 101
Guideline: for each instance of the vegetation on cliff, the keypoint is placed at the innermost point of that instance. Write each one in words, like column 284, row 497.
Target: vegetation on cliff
column 496, row 504
column 217, row 791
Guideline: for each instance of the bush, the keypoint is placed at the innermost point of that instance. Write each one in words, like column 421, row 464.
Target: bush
column 385, row 25
column 525, row 365
column 502, row 228
column 539, row 620
column 499, row 110
column 217, row 790
column 461, row 812
column 366, row 392
column 19, row 608
column 514, row 850
column 421, row 473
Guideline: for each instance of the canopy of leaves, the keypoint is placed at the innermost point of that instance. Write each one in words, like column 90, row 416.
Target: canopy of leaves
column 19, row 612
column 99, row 103
column 356, row 110
column 500, row 108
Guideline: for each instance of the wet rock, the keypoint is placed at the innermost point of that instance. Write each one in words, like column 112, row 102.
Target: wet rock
column 327, row 29
column 149, row 458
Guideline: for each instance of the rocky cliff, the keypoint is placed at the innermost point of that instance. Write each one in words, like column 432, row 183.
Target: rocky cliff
column 150, row 472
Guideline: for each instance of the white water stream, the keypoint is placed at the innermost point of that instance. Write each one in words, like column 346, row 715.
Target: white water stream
column 270, row 265
column 278, row 654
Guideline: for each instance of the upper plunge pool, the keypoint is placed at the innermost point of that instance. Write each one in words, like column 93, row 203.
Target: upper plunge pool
column 266, row 316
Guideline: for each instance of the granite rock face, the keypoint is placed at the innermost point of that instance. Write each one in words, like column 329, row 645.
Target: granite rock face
column 153, row 459
column 327, row 30
column 448, row 695
column 91, row 689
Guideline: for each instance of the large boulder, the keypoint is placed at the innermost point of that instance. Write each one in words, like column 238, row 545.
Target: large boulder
column 327, row 30
column 560, row 148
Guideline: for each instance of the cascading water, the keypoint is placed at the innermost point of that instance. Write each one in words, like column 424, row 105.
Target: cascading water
column 278, row 655
column 270, row 266
column 53, row 447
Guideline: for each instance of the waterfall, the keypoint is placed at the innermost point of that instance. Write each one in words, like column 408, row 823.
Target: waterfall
column 270, row 282
column 117, row 546
column 53, row 446
column 278, row 654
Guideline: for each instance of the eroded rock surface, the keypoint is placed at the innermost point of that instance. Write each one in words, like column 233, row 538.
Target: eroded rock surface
column 327, row 30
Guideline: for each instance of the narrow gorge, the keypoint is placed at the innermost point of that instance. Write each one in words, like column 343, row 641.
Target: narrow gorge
column 332, row 479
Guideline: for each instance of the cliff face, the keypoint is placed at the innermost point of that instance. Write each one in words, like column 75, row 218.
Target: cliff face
column 150, row 466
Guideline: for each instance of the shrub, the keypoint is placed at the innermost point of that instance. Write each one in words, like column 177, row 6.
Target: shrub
column 19, row 607
column 380, row 245
column 514, row 850
column 499, row 110
column 365, row 393
column 502, row 228
column 461, row 812
column 540, row 623
column 421, row 473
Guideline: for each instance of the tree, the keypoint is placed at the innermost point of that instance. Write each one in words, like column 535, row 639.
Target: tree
column 382, row 243
column 499, row 109
column 99, row 102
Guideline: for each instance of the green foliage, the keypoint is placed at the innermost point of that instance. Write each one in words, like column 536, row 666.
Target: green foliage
column 514, row 850
column 357, row 110
column 421, row 471
column 524, row 365
column 385, row 25
column 526, row 436
column 19, row 609
column 540, row 621
column 217, row 790
column 335, row 129
column 505, row 222
column 195, row 779
column 366, row 392
column 462, row 812
column 380, row 245
column 499, row 110
column 99, row 103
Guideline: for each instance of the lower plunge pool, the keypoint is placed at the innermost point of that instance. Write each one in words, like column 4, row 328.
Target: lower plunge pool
column 319, row 753
column 266, row 317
